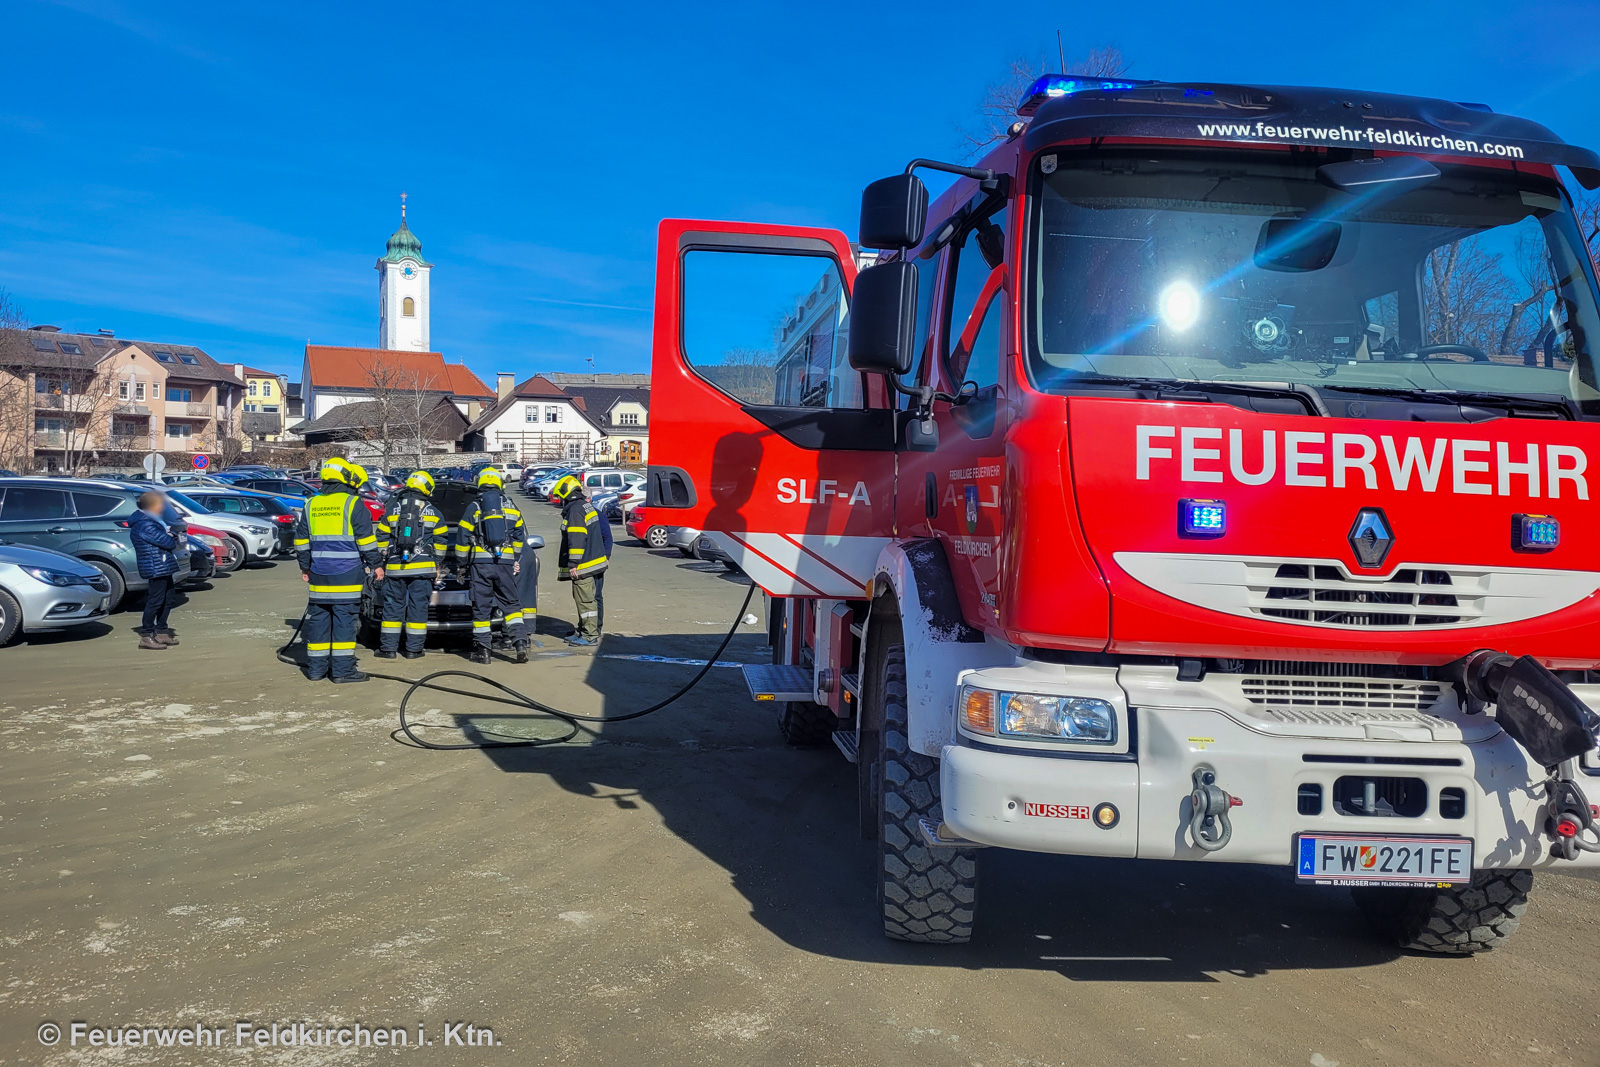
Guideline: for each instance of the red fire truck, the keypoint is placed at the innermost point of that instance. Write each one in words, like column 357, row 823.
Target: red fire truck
column 1202, row 476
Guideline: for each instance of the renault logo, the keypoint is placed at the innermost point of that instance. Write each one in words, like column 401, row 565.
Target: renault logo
column 1370, row 537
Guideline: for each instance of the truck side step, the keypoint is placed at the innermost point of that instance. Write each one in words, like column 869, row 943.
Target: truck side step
column 852, row 685
column 778, row 681
column 846, row 741
column 941, row 836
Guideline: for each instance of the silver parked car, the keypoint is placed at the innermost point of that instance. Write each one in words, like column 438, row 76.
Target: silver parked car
column 41, row 589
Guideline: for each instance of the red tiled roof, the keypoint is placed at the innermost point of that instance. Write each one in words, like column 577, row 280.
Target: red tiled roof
column 464, row 383
column 335, row 367
column 539, row 385
column 252, row 372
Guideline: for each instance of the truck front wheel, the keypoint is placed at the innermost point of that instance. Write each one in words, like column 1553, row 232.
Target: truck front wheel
column 925, row 894
column 1458, row 921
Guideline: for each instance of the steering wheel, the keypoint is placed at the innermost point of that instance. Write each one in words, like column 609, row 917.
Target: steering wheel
column 1477, row 355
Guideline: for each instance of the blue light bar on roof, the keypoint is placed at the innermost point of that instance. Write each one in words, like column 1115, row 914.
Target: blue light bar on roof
column 1052, row 85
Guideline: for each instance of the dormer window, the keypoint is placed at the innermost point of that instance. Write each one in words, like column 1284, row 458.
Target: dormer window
column 164, row 357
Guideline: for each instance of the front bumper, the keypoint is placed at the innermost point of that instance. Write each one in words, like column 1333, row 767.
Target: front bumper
column 47, row 607
column 1039, row 800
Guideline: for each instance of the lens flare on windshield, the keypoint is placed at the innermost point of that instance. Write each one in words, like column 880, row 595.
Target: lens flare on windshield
column 1179, row 305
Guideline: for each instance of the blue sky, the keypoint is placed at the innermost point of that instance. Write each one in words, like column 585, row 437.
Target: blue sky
column 225, row 175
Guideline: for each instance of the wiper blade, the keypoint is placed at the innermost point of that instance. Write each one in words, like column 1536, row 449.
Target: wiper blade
column 1456, row 397
column 1189, row 387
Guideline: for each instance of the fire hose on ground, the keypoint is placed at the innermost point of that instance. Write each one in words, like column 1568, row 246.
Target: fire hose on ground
column 518, row 699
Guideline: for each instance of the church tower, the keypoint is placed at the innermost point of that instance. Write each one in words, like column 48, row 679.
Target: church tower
column 403, row 291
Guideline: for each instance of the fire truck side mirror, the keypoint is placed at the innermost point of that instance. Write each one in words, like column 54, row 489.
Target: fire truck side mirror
column 883, row 309
column 893, row 212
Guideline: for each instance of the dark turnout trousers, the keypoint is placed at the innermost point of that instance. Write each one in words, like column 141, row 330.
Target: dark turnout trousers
column 492, row 585
column 405, row 607
column 330, row 633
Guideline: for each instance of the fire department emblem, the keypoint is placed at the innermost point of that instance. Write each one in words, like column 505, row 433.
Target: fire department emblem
column 972, row 509
column 1371, row 538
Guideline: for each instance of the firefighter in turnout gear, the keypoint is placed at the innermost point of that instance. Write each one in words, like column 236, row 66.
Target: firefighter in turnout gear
column 412, row 539
column 491, row 537
column 583, row 560
column 334, row 543
column 563, row 488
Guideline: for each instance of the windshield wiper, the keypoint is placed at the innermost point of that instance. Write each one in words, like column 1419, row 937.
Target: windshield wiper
column 1191, row 388
column 1457, row 397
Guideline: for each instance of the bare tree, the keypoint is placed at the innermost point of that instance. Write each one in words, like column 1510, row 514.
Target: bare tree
column 80, row 400
column 749, row 374
column 16, row 387
column 998, row 108
column 403, row 398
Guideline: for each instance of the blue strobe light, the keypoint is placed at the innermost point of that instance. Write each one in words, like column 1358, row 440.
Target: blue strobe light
column 1202, row 518
column 1535, row 533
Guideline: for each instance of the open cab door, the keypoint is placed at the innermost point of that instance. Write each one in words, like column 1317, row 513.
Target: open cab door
column 762, row 436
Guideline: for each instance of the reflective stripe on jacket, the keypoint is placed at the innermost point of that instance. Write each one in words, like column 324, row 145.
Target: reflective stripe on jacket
column 481, row 553
column 334, row 540
column 428, row 551
column 583, row 544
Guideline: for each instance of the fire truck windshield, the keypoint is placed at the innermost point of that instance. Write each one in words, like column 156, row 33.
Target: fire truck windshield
column 1244, row 267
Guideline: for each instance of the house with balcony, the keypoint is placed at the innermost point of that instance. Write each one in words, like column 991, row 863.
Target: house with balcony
column 73, row 401
column 266, row 404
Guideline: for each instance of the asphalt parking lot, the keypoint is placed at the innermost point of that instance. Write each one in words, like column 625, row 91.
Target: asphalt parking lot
column 200, row 836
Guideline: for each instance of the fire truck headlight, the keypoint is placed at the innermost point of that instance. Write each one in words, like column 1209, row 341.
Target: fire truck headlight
column 1179, row 305
column 1078, row 719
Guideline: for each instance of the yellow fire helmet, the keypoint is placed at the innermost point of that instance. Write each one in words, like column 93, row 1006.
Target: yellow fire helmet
column 563, row 489
column 490, row 477
column 335, row 470
column 421, row 481
column 358, row 475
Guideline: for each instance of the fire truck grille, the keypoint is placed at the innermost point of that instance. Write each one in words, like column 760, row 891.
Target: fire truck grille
column 1331, row 593
column 1409, row 598
column 1393, row 700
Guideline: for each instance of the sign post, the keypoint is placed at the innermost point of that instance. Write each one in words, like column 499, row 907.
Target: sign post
column 154, row 464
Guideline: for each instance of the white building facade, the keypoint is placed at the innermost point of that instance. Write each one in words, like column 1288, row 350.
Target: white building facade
column 403, row 291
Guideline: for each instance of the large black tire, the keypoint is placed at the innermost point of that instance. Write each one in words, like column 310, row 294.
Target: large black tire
column 1450, row 922
column 10, row 618
column 119, row 588
column 925, row 894
column 804, row 724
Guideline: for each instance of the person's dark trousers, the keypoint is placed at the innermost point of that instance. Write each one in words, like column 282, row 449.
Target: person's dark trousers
column 600, row 600
column 157, row 605
column 491, row 586
column 330, row 633
column 405, row 608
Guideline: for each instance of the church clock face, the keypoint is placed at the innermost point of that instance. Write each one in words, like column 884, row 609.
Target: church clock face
column 409, row 271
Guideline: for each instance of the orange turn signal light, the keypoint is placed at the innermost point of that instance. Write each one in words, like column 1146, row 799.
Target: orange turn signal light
column 977, row 711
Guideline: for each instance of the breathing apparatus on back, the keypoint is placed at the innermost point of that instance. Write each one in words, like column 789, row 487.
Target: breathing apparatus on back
column 410, row 512
column 492, row 528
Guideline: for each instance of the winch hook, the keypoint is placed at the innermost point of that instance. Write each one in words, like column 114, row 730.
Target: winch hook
column 1208, row 811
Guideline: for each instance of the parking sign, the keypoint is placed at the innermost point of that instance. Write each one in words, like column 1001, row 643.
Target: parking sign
column 201, row 462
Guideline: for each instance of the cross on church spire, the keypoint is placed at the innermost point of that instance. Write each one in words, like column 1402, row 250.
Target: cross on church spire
column 402, row 207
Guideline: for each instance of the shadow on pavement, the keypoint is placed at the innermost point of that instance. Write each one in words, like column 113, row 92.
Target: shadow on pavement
column 782, row 823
